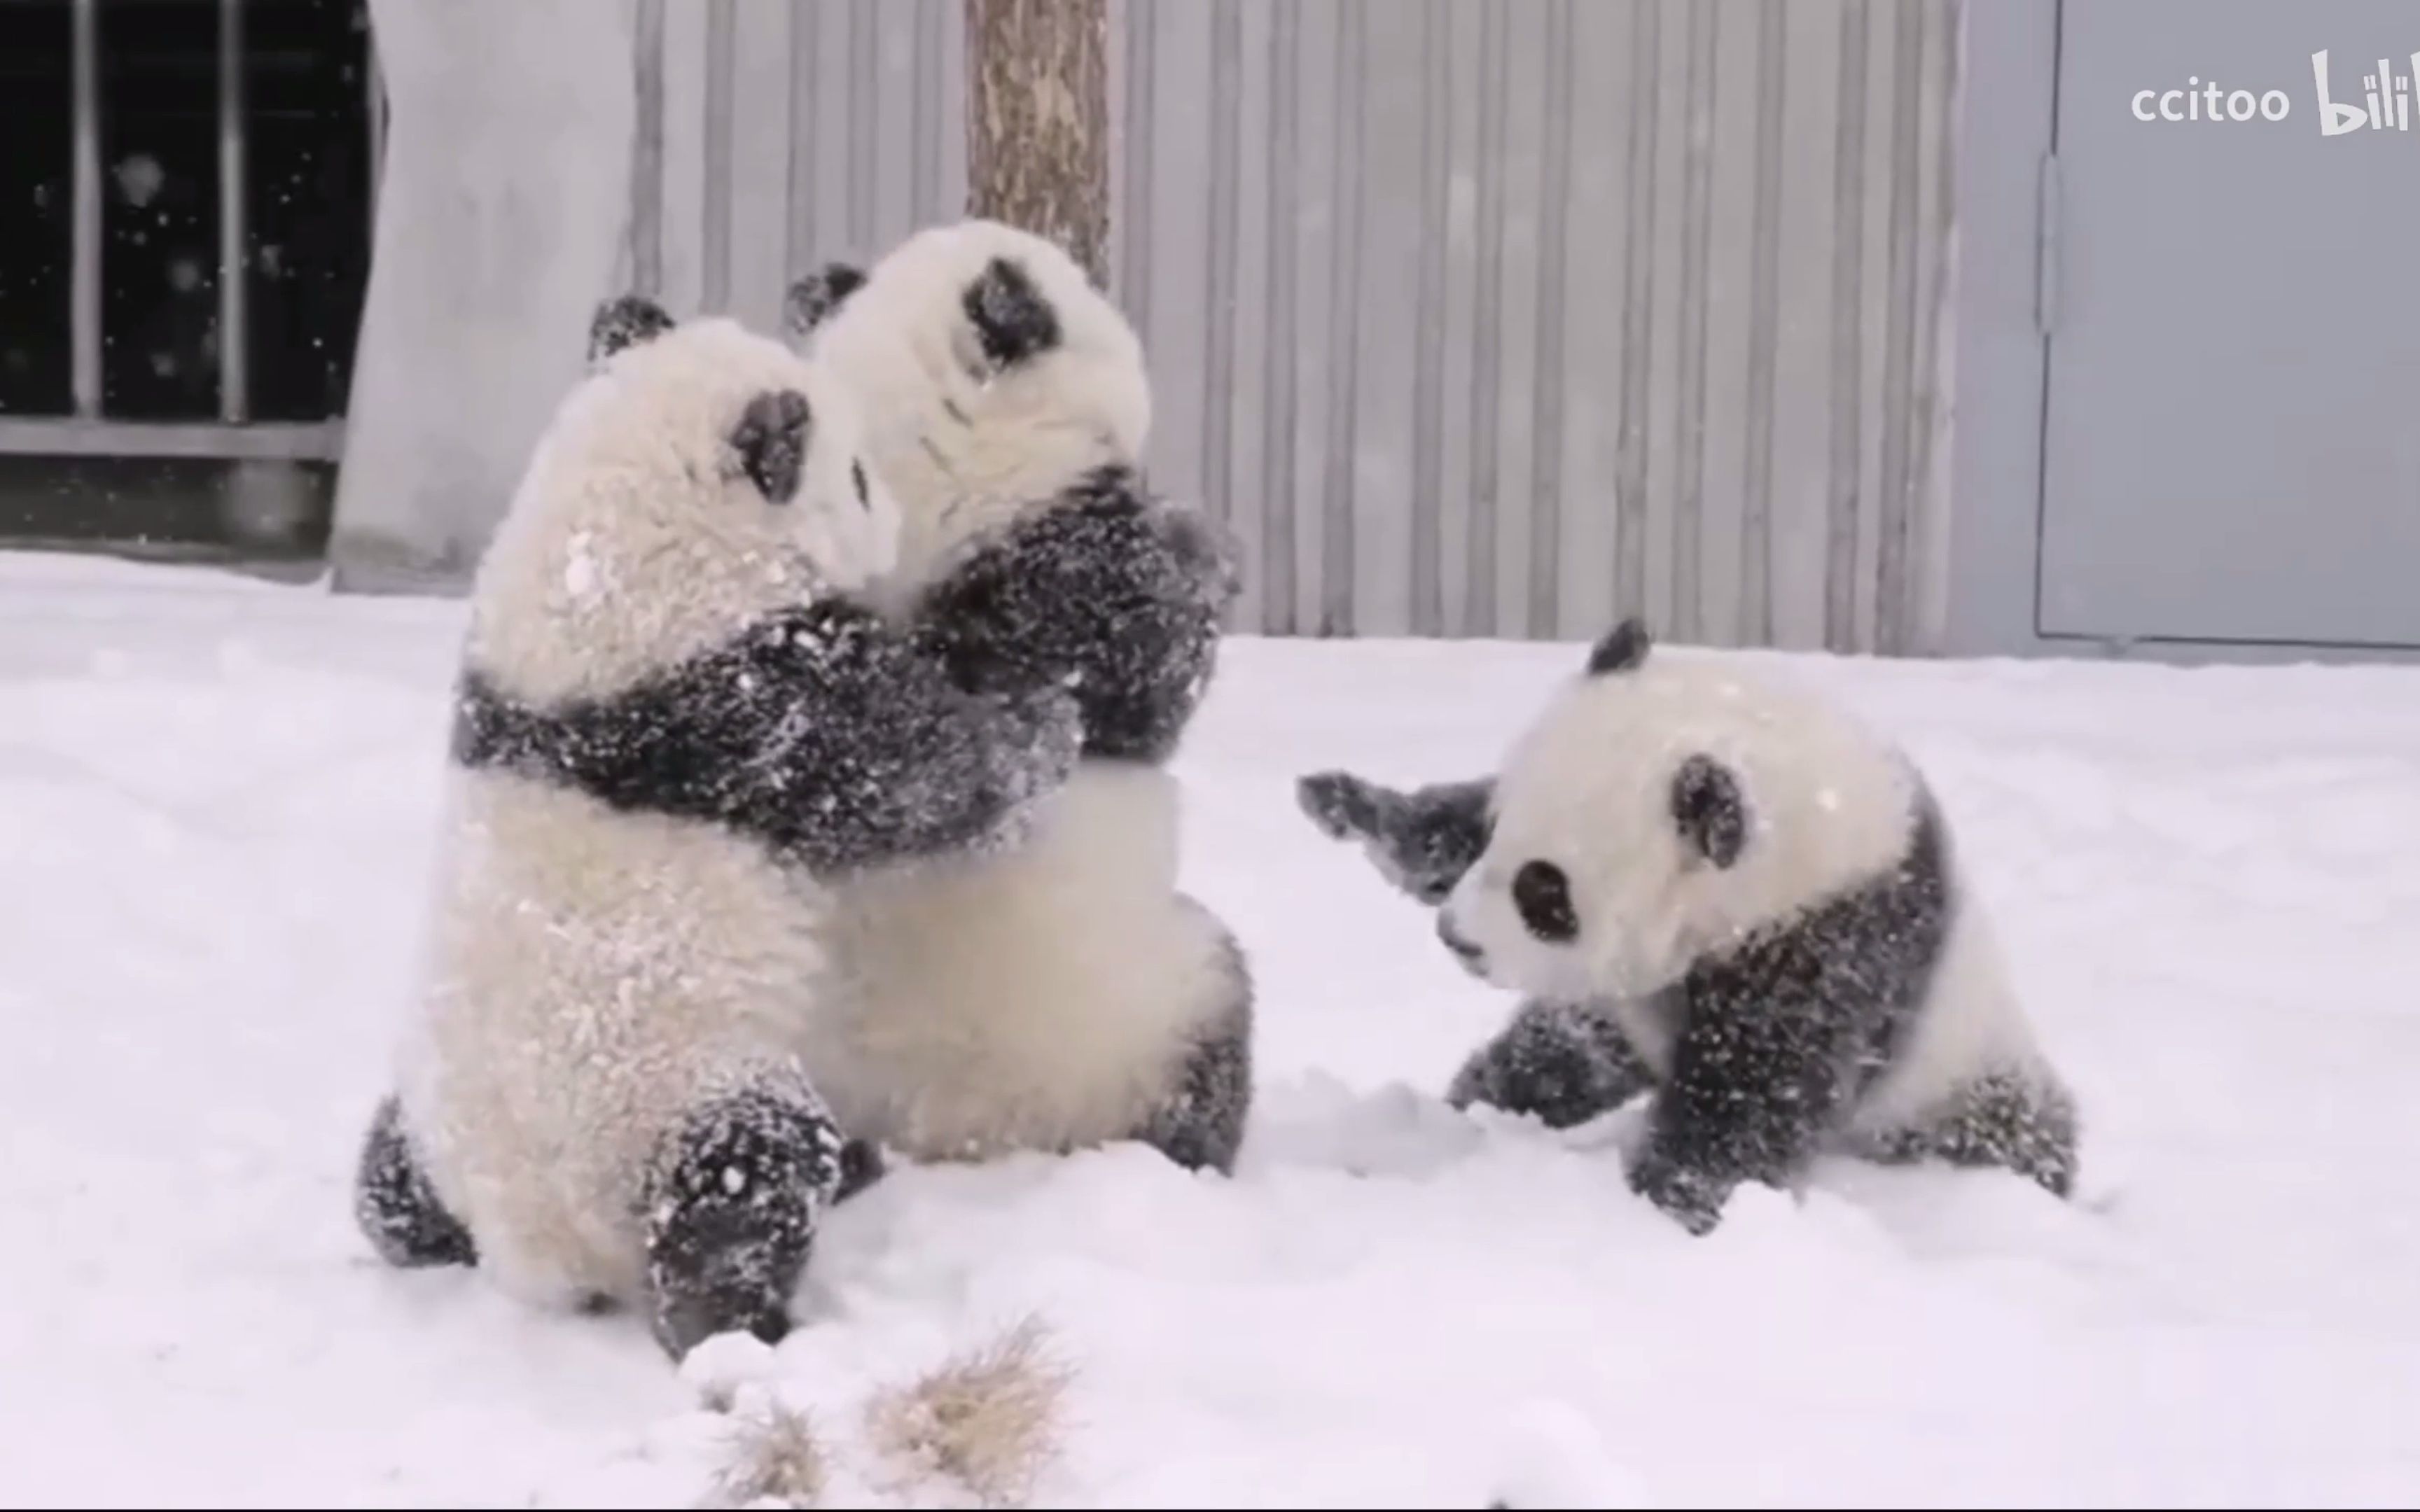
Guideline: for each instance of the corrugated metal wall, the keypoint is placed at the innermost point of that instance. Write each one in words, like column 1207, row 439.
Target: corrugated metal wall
column 1472, row 316
column 774, row 136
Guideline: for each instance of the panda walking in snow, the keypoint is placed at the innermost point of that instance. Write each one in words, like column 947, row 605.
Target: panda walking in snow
column 1734, row 896
column 676, row 734
column 1063, row 992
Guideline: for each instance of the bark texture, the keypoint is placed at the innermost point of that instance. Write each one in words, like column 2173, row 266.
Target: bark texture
column 1037, row 121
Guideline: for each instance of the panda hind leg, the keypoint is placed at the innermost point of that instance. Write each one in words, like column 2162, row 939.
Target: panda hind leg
column 395, row 1204
column 1200, row 1123
column 2027, row 1127
column 1558, row 1062
column 732, row 1208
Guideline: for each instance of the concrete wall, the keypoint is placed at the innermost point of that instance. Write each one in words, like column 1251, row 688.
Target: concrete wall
column 1472, row 316
column 500, row 208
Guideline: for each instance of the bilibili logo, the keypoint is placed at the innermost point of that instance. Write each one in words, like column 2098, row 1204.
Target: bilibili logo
column 2388, row 94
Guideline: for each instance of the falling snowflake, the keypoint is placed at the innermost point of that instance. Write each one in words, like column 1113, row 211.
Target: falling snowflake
column 139, row 177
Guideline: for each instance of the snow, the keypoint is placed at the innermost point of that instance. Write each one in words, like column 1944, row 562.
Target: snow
column 217, row 798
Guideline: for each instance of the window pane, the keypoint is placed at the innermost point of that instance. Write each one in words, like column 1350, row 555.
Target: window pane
column 36, row 209
column 307, row 64
column 160, row 213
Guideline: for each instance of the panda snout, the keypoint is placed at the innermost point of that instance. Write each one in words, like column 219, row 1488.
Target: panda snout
column 1464, row 951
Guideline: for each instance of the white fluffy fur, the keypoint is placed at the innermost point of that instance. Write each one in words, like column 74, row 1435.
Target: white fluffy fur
column 1972, row 1025
column 1036, row 997
column 1030, row 998
column 594, row 973
column 962, row 450
column 1830, row 806
column 634, row 540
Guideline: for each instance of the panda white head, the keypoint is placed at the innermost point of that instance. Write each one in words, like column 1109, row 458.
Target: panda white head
column 1660, row 809
column 991, row 372
column 699, row 478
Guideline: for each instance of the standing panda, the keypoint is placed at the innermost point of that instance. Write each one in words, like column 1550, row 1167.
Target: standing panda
column 675, row 734
column 1064, row 992
column 1736, row 896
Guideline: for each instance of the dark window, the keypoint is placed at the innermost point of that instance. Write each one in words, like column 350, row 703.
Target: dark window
column 160, row 210
column 308, row 202
column 306, row 164
column 37, row 207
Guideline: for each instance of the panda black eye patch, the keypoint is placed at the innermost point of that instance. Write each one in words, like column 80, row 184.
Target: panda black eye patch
column 1011, row 318
column 1542, row 897
column 771, row 440
column 1710, row 810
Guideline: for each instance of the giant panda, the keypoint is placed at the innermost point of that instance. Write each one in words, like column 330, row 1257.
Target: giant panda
column 1065, row 992
column 675, row 734
column 1728, row 892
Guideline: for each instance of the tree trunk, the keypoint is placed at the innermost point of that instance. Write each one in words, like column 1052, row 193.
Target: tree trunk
column 1037, row 121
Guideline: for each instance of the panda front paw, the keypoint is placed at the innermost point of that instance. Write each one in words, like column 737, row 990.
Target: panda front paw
column 1689, row 1197
column 1421, row 842
column 1053, row 714
column 1552, row 1065
column 1024, row 747
column 1119, row 590
column 1205, row 552
column 1344, row 806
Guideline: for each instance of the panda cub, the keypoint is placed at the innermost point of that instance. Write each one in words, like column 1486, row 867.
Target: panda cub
column 675, row 734
column 1734, row 895
column 1007, row 407
column 1064, row 993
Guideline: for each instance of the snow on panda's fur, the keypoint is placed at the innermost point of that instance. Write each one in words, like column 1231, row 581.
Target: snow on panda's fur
column 1064, row 992
column 1733, row 894
column 674, row 729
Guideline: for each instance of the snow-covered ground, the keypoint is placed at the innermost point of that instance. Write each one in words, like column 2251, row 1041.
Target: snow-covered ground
column 215, row 809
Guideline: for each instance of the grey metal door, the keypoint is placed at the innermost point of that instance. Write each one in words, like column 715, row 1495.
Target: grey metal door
column 2233, row 448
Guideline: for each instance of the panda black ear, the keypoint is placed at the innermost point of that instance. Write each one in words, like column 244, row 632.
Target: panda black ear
column 623, row 322
column 1710, row 810
column 1011, row 318
column 771, row 440
column 812, row 299
column 1623, row 647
